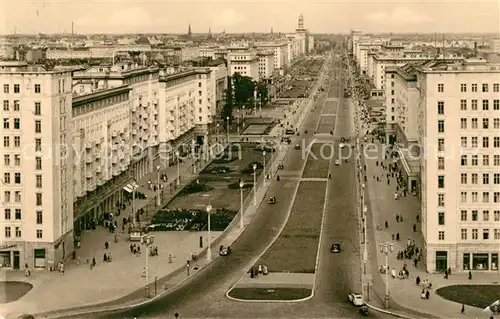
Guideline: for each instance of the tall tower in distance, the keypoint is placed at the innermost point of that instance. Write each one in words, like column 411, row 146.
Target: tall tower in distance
column 300, row 25
column 189, row 30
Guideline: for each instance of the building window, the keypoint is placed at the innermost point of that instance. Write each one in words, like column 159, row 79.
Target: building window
column 7, row 232
column 496, row 178
column 441, row 235
column 441, row 200
column 463, row 141
column 6, row 160
column 17, row 88
column 38, row 88
column 17, row 178
column 17, row 160
column 496, row 215
column 486, row 142
column 485, row 87
column 463, row 234
column 463, row 87
column 486, row 234
column 18, row 214
column 474, row 197
column 17, row 141
column 440, row 181
column 463, row 160
column 463, row 197
column 485, row 123
column 18, row 232
column 38, row 161
column 474, row 160
column 441, row 218
column 496, row 141
column 474, row 87
column 463, row 105
column 495, row 87
column 486, row 179
column 38, row 199
column 38, row 126
column 440, row 87
column 441, row 126
column 5, row 88
column 16, row 105
column 496, row 105
column 440, row 163
column 39, row 234
column 6, row 123
column 486, row 215
column 39, row 181
column 474, row 215
column 474, row 178
column 39, row 217
column 6, row 105
column 463, row 178
column 496, row 123
column 486, row 197
column 441, row 144
column 38, row 108
column 463, row 215
column 473, row 105
column 6, row 196
column 463, row 123
column 38, row 145
column 486, row 105
column 6, row 178
column 474, row 142
column 440, row 108
column 17, row 123
column 486, row 160
column 474, row 234
column 17, row 196
column 474, row 123
column 496, row 160
column 6, row 212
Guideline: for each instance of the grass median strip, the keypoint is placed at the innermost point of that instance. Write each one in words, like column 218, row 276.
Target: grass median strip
column 270, row 293
column 326, row 124
column 318, row 161
column 480, row 296
column 296, row 248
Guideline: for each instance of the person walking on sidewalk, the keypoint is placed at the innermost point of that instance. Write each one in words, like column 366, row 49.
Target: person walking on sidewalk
column 462, row 311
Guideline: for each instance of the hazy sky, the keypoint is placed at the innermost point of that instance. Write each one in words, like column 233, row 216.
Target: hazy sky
column 163, row 16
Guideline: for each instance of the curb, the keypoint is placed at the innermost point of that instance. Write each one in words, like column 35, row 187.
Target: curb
column 395, row 314
column 269, row 301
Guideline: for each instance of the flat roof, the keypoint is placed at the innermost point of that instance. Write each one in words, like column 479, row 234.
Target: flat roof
column 79, row 100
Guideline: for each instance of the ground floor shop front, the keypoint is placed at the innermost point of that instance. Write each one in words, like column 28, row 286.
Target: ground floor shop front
column 18, row 255
column 462, row 258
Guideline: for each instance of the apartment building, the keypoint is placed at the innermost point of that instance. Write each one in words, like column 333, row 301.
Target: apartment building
column 266, row 64
column 280, row 53
column 459, row 131
column 244, row 62
column 383, row 61
column 36, row 186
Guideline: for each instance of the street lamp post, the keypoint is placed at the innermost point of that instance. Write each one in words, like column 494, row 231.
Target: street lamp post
column 177, row 155
column 241, row 204
column 264, row 164
column 217, row 133
column 254, row 166
column 158, row 199
column 386, row 248
column 227, row 129
column 209, row 241
column 147, row 240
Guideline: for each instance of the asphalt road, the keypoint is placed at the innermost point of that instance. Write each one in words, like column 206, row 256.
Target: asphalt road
column 204, row 295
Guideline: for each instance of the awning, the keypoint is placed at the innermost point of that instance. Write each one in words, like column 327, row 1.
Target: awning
column 129, row 188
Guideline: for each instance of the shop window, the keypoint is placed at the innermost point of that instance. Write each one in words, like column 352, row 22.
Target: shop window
column 480, row 262
column 466, row 261
column 494, row 261
column 5, row 259
column 39, row 258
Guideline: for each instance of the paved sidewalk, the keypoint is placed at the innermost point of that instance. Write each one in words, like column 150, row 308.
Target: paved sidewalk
column 405, row 292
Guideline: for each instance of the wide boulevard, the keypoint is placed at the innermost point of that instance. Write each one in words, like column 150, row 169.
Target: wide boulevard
column 203, row 296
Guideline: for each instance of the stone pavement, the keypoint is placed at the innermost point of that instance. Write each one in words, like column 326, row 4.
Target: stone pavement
column 405, row 292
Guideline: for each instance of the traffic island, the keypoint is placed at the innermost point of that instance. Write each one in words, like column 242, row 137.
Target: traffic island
column 480, row 296
column 318, row 161
column 13, row 290
column 269, row 294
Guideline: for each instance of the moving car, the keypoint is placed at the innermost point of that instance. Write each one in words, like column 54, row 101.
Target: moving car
column 335, row 248
column 224, row 250
column 356, row 299
column 272, row 200
column 297, row 146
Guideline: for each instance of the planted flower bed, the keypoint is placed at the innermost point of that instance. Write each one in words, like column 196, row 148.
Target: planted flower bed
column 195, row 186
column 192, row 220
column 249, row 168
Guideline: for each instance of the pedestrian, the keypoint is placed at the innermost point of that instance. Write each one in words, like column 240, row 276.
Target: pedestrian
column 414, row 228
column 427, row 294
column 106, row 245
column 397, row 236
column 449, row 271
column 393, row 273
column 446, row 274
column 462, row 311
column 415, row 261
column 397, row 218
column 417, row 281
column 386, row 224
column 470, row 275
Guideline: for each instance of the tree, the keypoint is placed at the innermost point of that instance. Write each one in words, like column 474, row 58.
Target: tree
column 243, row 89
column 263, row 92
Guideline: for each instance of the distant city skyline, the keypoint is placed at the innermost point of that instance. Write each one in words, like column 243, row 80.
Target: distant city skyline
column 115, row 16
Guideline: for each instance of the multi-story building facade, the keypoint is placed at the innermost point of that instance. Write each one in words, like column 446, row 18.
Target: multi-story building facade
column 458, row 130
column 266, row 64
column 280, row 53
column 244, row 62
column 495, row 45
column 36, row 185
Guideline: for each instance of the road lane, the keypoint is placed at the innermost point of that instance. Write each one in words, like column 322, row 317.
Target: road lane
column 203, row 296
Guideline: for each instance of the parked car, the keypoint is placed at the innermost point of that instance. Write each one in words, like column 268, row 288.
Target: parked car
column 356, row 299
column 297, row 146
column 335, row 248
column 337, row 162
